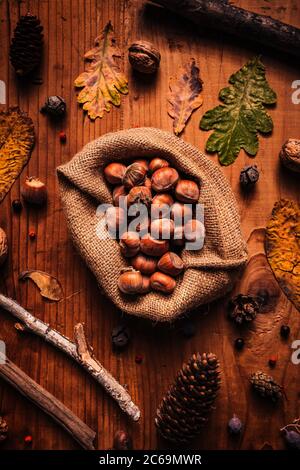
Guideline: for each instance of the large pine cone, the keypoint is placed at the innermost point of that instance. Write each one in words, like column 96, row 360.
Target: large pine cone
column 27, row 45
column 185, row 408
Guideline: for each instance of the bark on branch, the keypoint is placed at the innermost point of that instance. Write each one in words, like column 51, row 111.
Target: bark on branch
column 220, row 14
column 82, row 433
column 79, row 351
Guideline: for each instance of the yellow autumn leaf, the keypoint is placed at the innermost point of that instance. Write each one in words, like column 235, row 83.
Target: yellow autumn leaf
column 103, row 82
column 16, row 144
column 184, row 95
column 282, row 244
column 50, row 287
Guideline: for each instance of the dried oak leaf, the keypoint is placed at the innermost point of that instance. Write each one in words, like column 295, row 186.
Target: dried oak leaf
column 282, row 245
column 16, row 144
column 103, row 82
column 184, row 95
column 237, row 121
column 49, row 286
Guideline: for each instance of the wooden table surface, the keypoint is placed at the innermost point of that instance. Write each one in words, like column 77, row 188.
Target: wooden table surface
column 70, row 27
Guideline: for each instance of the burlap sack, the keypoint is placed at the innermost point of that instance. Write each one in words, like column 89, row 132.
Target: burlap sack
column 209, row 273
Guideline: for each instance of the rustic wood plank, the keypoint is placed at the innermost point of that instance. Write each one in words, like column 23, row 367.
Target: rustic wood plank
column 70, row 27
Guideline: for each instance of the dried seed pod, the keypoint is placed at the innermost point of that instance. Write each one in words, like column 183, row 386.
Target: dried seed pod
column 187, row 191
column 152, row 247
column 290, row 154
column 157, row 164
column 170, row 263
column 144, row 264
column 162, row 229
column 120, row 336
column 119, row 191
column 134, row 175
column 146, row 285
column 34, row 191
column 130, row 281
column 249, row 176
column 144, row 57
column 181, row 213
column 115, row 218
column 130, row 244
column 164, row 180
column 3, row 247
column 114, row 173
column 55, row 106
column 162, row 282
column 139, row 195
column 122, row 441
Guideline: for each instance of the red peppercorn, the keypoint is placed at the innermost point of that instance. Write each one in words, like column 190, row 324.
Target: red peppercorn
column 32, row 234
column 272, row 361
column 138, row 359
column 28, row 439
column 62, row 136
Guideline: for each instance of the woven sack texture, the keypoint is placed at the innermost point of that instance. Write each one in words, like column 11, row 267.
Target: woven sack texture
column 209, row 273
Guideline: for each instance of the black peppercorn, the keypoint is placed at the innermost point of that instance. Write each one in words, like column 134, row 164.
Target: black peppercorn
column 122, row 441
column 17, row 205
column 239, row 343
column 285, row 331
column 249, row 176
column 55, row 106
column 120, row 336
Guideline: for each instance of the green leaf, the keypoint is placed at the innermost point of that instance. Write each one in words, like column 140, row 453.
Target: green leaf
column 237, row 121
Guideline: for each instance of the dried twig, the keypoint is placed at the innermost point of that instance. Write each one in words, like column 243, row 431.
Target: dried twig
column 79, row 351
column 82, row 433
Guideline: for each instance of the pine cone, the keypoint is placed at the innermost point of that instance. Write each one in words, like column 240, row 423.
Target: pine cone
column 3, row 429
column 266, row 386
column 26, row 46
column 243, row 308
column 184, row 409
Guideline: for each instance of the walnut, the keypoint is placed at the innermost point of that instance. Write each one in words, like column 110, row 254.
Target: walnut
column 144, row 57
column 3, row 246
column 290, row 154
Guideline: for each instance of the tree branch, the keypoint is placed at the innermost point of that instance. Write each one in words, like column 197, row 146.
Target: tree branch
column 77, row 351
column 82, row 433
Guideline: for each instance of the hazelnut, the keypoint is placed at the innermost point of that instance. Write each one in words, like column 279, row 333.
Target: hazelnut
column 144, row 57
column 194, row 230
column 187, row 191
column 139, row 195
column 143, row 162
column 147, row 183
column 162, row 282
column 130, row 244
column 119, row 191
column 181, row 213
column 160, row 207
column 162, row 228
column 144, row 264
column 157, row 164
column 130, row 281
column 142, row 228
column 115, row 220
column 146, row 286
column 34, row 191
column 152, row 247
column 134, row 175
column 114, row 173
column 290, row 154
column 163, row 198
column 178, row 237
column 170, row 263
column 122, row 441
column 3, row 247
column 164, row 179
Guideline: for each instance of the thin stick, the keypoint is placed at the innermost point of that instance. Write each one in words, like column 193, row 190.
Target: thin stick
column 82, row 433
column 75, row 351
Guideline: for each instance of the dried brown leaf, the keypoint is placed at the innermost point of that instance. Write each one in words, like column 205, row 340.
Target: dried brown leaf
column 49, row 286
column 282, row 244
column 184, row 95
column 102, row 82
column 16, row 144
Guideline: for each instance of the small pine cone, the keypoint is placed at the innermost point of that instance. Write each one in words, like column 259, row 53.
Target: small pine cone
column 186, row 406
column 26, row 45
column 266, row 386
column 243, row 308
column 3, row 429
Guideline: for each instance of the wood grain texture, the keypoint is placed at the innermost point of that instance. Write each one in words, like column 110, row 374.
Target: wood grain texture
column 70, row 27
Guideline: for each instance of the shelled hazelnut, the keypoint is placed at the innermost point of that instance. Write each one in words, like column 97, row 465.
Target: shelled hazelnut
column 187, row 191
column 157, row 164
column 115, row 219
column 144, row 264
column 130, row 244
column 119, row 191
column 170, row 263
column 162, row 229
column 152, row 247
column 146, row 285
column 134, row 175
column 162, row 282
column 34, row 191
column 114, row 173
column 130, row 281
column 143, row 162
column 164, row 179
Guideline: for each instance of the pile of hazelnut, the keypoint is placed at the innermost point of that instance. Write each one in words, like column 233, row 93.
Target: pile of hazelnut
column 154, row 184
